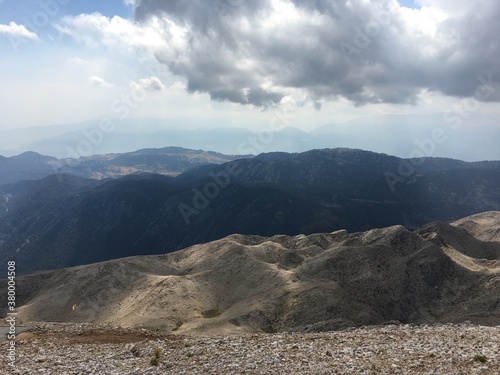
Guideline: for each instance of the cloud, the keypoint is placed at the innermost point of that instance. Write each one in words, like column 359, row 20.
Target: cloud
column 258, row 52
column 13, row 29
column 99, row 82
column 366, row 52
column 178, row 86
column 116, row 32
column 150, row 84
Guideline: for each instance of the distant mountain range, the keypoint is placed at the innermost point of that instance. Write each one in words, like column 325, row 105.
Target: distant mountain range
column 64, row 220
column 398, row 135
column 166, row 161
column 440, row 273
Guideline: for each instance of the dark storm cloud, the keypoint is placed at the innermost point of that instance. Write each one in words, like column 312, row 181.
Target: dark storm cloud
column 472, row 54
column 256, row 52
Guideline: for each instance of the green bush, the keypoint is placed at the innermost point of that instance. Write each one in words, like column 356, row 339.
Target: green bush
column 155, row 361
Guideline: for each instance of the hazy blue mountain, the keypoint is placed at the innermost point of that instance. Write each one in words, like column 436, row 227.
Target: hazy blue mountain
column 473, row 138
column 28, row 165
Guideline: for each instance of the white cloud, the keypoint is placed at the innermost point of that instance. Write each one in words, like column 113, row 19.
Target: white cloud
column 14, row 29
column 151, row 84
column 179, row 86
column 96, row 29
column 261, row 51
column 99, row 82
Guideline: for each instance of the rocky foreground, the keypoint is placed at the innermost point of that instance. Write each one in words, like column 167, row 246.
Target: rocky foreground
column 393, row 349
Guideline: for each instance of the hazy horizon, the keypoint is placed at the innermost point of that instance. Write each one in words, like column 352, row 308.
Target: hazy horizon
column 386, row 76
column 398, row 135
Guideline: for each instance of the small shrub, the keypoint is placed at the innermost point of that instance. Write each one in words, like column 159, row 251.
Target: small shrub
column 189, row 355
column 269, row 329
column 155, row 361
column 480, row 358
column 211, row 313
column 157, row 352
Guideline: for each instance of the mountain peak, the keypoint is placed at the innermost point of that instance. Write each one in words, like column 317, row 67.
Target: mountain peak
column 32, row 156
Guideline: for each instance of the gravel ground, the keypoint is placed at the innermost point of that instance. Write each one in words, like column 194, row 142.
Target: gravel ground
column 91, row 349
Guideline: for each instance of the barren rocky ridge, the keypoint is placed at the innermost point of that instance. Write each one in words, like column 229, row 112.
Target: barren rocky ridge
column 278, row 305
column 439, row 273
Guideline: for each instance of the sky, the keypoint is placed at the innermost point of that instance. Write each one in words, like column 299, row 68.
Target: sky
column 237, row 62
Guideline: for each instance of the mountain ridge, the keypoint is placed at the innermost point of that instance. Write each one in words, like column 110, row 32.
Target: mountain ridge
column 84, row 221
column 167, row 160
column 241, row 283
column 400, row 136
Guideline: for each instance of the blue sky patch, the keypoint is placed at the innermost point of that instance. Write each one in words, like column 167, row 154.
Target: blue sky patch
column 412, row 4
